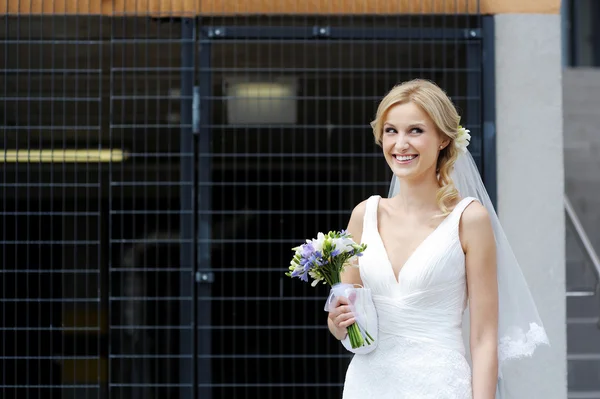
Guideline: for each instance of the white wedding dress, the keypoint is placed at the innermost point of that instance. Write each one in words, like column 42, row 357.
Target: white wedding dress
column 421, row 352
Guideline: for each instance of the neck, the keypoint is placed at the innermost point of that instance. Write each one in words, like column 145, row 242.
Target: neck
column 417, row 194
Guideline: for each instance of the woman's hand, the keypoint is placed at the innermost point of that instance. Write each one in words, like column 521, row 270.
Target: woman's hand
column 340, row 318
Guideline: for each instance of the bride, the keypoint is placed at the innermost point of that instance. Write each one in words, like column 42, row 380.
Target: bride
column 438, row 281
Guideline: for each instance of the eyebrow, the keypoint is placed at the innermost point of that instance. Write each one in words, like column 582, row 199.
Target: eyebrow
column 409, row 125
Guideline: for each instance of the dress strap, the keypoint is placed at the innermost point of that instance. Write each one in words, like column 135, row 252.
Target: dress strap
column 370, row 218
column 463, row 204
column 458, row 210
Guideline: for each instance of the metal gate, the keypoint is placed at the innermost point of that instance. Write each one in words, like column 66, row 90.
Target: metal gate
column 285, row 147
column 157, row 172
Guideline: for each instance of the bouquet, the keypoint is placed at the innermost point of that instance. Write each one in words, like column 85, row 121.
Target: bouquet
column 324, row 259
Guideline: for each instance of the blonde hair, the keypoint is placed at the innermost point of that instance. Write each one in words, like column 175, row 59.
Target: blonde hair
column 436, row 104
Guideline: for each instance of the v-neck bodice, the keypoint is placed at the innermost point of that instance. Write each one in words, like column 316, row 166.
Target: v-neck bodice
column 447, row 219
column 438, row 257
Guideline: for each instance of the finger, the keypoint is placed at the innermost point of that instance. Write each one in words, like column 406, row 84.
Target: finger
column 338, row 311
column 342, row 300
column 343, row 317
column 335, row 302
column 333, row 315
column 347, row 323
column 344, row 309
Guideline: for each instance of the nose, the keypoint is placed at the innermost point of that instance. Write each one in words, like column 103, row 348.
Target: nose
column 401, row 142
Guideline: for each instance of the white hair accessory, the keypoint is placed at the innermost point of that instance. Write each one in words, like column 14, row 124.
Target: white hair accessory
column 462, row 139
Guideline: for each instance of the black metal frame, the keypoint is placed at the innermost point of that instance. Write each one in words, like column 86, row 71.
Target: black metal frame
column 574, row 20
column 204, row 276
column 188, row 230
column 196, row 190
column 489, row 109
column 195, row 217
column 595, row 11
column 572, row 37
column 210, row 33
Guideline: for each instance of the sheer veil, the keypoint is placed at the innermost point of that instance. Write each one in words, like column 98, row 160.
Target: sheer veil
column 520, row 329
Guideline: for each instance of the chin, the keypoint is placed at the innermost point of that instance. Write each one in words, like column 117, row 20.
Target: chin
column 413, row 172
column 403, row 171
column 404, row 174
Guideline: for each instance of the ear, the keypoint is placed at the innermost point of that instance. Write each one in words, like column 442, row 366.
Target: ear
column 444, row 143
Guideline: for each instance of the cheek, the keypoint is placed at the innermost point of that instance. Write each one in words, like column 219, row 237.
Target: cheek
column 387, row 142
column 426, row 144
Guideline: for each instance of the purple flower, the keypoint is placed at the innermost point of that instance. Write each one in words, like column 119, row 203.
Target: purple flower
column 297, row 272
column 313, row 260
column 304, row 277
column 320, row 260
column 336, row 252
column 307, row 250
column 302, row 273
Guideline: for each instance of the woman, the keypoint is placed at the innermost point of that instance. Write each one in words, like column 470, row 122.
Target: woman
column 435, row 250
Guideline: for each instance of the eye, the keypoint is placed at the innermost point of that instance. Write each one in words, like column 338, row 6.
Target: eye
column 389, row 129
column 416, row 130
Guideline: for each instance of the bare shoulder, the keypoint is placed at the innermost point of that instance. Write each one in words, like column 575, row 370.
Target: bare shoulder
column 475, row 215
column 355, row 225
column 475, row 225
column 359, row 210
column 351, row 275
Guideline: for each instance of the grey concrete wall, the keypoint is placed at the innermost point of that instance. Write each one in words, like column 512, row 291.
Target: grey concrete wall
column 530, row 179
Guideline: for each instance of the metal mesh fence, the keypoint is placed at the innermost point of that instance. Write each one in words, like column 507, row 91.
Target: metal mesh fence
column 150, row 292
column 53, row 329
column 92, row 188
column 292, row 151
column 157, row 172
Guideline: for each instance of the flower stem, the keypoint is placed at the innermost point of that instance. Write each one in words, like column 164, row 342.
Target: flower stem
column 356, row 338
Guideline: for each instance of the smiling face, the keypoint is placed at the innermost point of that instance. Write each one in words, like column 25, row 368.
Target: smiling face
column 411, row 142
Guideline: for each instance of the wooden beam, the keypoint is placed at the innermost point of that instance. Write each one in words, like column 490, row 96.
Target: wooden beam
column 223, row 7
column 304, row 7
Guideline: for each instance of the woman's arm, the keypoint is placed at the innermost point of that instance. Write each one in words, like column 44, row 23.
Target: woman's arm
column 477, row 238
column 340, row 318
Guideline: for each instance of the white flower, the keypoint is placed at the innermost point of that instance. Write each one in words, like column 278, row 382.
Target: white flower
column 316, row 278
column 318, row 242
column 343, row 244
column 462, row 139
